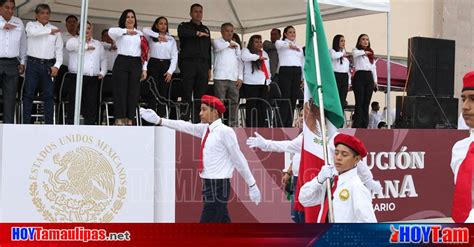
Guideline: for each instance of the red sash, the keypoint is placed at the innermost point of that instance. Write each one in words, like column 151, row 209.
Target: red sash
column 462, row 201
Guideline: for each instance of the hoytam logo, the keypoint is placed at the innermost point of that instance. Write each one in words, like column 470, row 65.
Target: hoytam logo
column 78, row 178
column 429, row 234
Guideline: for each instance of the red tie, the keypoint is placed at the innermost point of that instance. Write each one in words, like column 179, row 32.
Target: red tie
column 201, row 163
column 326, row 203
column 462, row 201
column 263, row 66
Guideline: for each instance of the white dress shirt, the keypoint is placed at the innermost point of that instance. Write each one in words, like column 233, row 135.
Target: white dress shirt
column 257, row 77
column 221, row 152
column 13, row 40
column 374, row 119
column 287, row 56
column 226, row 60
column 110, row 55
column 66, row 36
column 42, row 44
column 459, row 153
column 352, row 201
column 127, row 45
column 362, row 62
column 95, row 62
column 295, row 164
column 162, row 50
column 336, row 61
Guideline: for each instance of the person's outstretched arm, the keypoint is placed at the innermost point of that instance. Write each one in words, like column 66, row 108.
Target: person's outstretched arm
column 196, row 130
column 291, row 146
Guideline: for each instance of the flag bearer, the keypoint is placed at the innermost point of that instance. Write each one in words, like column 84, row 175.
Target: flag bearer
column 352, row 201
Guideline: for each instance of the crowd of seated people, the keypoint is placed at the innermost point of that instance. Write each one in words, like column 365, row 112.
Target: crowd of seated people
column 261, row 83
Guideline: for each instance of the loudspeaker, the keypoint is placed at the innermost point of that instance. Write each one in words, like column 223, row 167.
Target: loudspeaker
column 420, row 112
column 431, row 64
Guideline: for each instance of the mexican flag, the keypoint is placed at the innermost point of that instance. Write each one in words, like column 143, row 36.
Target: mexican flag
column 312, row 158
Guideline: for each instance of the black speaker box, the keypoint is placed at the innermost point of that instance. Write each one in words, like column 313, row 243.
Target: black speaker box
column 431, row 65
column 419, row 112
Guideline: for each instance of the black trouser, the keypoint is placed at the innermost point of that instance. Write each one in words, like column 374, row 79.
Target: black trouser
column 363, row 87
column 9, row 82
column 215, row 195
column 289, row 80
column 155, row 91
column 126, row 76
column 256, row 105
column 342, row 80
column 90, row 98
column 194, row 74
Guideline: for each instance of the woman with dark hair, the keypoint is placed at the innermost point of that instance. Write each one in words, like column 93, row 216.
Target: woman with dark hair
column 290, row 76
column 340, row 63
column 161, row 66
column 256, row 80
column 130, row 67
column 236, row 39
column 365, row 80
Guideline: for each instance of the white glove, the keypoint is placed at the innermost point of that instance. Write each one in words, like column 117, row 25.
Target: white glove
column 257, row 142
column 374, row 186
column 254, row 194
column 149, row 115
column 325, row 173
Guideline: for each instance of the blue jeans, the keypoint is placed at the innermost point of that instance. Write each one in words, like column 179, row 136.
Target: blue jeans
column 296, row 216
column 37, row 72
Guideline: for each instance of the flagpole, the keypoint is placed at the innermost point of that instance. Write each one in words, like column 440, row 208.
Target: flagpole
column 321, row 107
column 80, row 61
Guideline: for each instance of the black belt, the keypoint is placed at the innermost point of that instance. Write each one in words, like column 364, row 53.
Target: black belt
column 8, row 58
column 42, row 61
column 160, row 60
column 125, row 56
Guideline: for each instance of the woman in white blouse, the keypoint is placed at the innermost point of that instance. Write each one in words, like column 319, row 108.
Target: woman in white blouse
column 341, row 66
column 129, row 68
column 161, row 66
column 290, row 76
column 365, row 80
column 256, row 80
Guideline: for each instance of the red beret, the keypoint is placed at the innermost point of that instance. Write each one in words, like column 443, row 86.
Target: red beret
column 213, row 102
column 468, row 81
column 352, row 142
